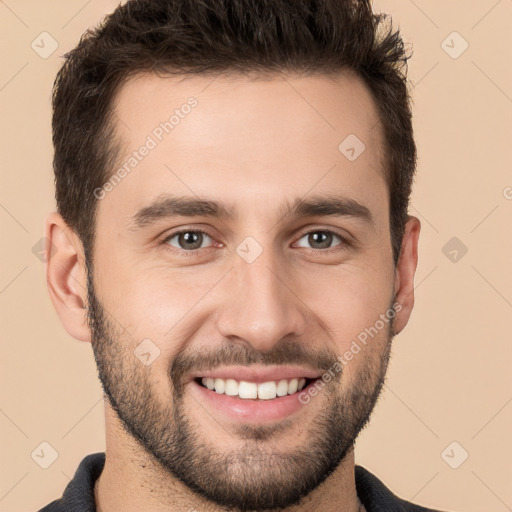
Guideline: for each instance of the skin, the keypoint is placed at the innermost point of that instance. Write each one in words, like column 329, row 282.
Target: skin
column 256, row 145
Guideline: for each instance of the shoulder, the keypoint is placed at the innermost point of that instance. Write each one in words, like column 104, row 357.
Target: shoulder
column 78, row 496
column 376, row 497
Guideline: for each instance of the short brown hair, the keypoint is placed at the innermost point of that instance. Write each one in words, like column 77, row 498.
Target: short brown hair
column 215, row 37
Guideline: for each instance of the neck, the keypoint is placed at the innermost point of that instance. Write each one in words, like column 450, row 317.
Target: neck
column 132, row 480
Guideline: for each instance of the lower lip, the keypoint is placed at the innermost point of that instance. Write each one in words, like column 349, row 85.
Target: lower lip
column 249, row 410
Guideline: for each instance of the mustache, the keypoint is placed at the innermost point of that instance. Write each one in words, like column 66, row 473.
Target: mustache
column 230, row 354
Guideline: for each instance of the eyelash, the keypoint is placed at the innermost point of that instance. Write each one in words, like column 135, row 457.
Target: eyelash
column 344, row 243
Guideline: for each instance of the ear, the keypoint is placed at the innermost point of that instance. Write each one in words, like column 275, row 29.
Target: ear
column 404, row 274
column 66, row 276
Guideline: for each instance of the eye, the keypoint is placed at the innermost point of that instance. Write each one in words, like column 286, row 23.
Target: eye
column 189, row 240
column 320, row 239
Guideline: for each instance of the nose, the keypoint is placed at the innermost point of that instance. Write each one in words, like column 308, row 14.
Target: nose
column 259, row 305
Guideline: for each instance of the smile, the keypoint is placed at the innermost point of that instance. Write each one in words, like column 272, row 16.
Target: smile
column 253, row 390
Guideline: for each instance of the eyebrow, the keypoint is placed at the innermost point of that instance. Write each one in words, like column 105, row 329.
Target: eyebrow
column 177, row 206
column 166, row 206
column 330, row 206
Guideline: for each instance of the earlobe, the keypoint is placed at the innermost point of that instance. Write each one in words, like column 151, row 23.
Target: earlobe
column 66, row 276
column 405, row 271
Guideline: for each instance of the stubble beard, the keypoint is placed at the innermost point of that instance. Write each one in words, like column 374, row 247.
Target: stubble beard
column 251, row 478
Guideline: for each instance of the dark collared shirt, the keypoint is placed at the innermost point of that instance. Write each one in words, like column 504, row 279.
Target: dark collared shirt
column 79, row 493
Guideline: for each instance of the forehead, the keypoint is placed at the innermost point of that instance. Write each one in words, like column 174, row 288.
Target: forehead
column 241, row 139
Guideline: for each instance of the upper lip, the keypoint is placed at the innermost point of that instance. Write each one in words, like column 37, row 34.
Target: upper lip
column 259, row 374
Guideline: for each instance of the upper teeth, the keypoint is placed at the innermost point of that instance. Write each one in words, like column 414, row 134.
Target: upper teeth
column 264, row 391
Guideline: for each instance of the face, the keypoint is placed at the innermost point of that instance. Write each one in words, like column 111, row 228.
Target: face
column 244, row 251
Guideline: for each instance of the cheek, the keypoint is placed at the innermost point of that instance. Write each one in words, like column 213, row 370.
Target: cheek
column 349, row 301
column 156, row 301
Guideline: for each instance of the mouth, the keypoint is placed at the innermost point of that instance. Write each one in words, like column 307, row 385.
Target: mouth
column 253, row 394
column 247, row 390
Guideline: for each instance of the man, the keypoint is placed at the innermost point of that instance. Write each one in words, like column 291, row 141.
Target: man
column 232, row 237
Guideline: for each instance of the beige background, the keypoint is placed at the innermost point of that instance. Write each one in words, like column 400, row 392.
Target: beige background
column 449, row 378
